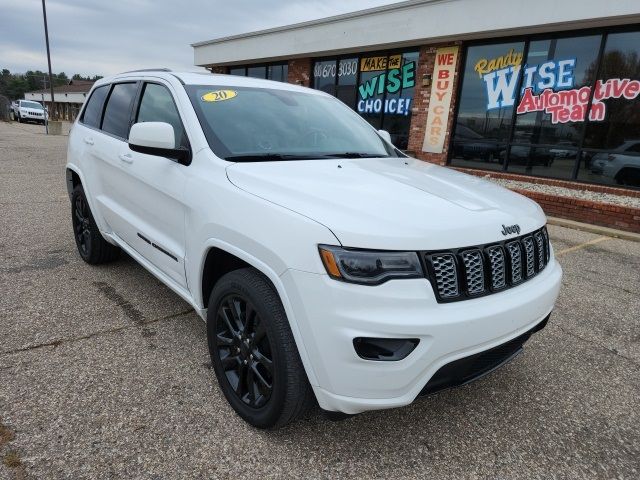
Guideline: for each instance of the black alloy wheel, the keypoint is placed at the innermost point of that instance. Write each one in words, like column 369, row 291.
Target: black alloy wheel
column 253, row 352
column 92, row 246
column 82, row 225
column 244, row 350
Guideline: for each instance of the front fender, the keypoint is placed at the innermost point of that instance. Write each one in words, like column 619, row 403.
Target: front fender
column 276, row 280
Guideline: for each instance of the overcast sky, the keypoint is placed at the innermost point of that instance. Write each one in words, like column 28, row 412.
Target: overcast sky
column 104, row 37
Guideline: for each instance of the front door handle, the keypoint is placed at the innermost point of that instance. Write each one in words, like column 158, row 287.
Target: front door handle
column 126, row 157
column 88, row 140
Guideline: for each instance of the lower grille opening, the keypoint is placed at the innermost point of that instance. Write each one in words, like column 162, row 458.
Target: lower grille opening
column 384, row 349
column 471, row 368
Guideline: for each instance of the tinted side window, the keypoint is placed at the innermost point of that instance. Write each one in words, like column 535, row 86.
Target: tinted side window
column 91, row 115
column 157, row 106
column 116, row 113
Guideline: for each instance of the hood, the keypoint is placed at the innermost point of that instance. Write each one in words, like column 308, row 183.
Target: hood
column 391, row 203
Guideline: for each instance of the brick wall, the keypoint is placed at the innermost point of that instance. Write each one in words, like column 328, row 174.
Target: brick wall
column 422, row 94
column 218, row 69
column 586, row 211
column 300, row 72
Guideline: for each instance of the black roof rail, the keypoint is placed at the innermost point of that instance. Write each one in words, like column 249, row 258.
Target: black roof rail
column 150, row 70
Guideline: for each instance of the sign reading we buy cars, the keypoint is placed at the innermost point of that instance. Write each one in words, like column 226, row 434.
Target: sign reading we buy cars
column 440, row 100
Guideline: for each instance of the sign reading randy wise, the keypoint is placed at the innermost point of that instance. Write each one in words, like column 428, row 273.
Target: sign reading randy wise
column 440, row 100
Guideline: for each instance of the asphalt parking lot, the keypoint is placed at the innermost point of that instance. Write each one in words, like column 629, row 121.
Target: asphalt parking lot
column 104, row 372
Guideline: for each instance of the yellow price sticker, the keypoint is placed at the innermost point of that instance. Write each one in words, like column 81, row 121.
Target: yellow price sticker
column 219, row 95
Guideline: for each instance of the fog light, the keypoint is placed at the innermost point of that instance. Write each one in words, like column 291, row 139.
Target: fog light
column 384, row 349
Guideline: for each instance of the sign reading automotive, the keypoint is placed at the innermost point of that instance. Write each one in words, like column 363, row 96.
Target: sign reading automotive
column 440, row 100
column 549, row 87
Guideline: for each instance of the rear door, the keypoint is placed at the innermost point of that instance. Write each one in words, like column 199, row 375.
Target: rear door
column 105, row 146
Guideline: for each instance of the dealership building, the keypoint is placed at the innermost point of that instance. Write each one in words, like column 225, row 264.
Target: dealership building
column 547, row 89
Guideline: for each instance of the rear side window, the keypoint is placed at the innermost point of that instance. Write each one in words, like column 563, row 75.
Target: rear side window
column 91, row 115
column 157, row 106
column 118, row 109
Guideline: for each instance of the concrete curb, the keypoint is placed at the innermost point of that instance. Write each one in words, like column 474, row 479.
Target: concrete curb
column 586, row 227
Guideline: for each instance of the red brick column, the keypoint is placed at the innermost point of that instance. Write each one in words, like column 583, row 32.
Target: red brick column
column 426, row 62
column 300, row 72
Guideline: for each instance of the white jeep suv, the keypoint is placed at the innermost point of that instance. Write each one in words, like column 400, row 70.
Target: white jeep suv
column 28, row 111
column 327, row 264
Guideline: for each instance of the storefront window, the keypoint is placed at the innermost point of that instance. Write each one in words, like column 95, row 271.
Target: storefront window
column 557, row 71
column 324, row 76
column 379, row 87
column 257, row 72
column 486, row 103
column 617, row 130
column 574, row 111
column 347, row 78
column 278, row 73
column 397, row 116
column 275, row 71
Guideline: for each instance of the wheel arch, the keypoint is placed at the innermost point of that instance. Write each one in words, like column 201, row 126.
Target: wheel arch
column 74, row 177
column 220, row 251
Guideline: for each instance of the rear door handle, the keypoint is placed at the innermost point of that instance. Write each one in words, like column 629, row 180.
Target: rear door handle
column 88, row 140
column 126, row 157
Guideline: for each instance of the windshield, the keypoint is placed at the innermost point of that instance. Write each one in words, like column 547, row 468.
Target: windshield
column 34, row 105
column 254, row 124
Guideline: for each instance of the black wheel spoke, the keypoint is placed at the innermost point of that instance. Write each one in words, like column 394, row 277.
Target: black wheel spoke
column 243, row 348
column 236, row 312
column 259, row 333
column 242, row 375
column 258, row 375
column 224, row 341
column 250, row 319
column 224, row 314
column 251, row 386
column 264, row 361
column 230, row 363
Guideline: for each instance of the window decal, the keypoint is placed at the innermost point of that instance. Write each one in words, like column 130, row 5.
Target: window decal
column 219, row 95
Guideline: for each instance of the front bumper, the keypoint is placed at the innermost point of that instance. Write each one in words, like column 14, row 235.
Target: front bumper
column 330, row 314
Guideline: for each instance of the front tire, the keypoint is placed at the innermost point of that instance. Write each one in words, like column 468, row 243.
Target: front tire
column 92, row 247
column 253, row 352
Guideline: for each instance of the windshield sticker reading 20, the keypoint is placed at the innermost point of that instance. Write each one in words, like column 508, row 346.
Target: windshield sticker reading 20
column 219, row 95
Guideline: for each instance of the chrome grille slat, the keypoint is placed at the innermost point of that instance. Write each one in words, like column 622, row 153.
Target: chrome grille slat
column 529, row 256
column 444, row 266
column 515, row 254
column 464, row 273
column 540, row 255
column 474, row 271
column 497, row 265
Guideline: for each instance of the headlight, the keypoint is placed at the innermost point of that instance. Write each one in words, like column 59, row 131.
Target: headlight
column 369, row 267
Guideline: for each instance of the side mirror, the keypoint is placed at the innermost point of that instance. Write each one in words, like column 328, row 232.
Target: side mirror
column 156, row 138
column 385, row 135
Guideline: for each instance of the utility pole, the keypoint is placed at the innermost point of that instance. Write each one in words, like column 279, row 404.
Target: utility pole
column 44, row 105
column 46, row 37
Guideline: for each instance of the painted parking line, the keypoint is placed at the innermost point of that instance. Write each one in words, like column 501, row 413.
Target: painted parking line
column 582, row 245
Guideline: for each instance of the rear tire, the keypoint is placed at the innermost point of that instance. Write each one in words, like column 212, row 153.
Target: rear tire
column 253, row 352
column 92, row 246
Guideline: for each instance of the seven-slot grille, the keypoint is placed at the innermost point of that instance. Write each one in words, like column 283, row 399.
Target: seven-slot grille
column 475, row 271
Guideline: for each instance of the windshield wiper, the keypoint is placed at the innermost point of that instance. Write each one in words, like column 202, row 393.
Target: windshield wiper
column 270, row 157
column 355, row 155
